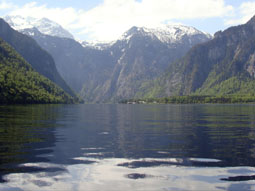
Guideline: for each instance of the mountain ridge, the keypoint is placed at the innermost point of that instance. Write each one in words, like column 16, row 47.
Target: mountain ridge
column 139, row 57
column 224, row 65
column 166, row 33
column 110, row 72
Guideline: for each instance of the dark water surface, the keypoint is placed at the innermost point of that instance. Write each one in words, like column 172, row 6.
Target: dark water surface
column 127, row 147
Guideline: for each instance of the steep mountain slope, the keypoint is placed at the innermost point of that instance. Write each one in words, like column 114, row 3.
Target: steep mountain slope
column 224, row 65
column 39, row 59
column 143, row 54
column 117, row 70
column 77, row 64
column 44, row 25
column 20, row 83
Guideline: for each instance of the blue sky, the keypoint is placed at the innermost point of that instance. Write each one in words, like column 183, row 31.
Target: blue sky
column 106, row 20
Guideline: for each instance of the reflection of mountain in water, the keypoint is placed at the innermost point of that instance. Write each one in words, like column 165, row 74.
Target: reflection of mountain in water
column 28, row 136
column 218, row 132
column 149, row 135
column 239, row 178
column 182, row 131
column 26, row 133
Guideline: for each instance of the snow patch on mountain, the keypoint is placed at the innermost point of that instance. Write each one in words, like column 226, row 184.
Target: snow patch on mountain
column 167, row 33
column 44, row 25
column 97, row 45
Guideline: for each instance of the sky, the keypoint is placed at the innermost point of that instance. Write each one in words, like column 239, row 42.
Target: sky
column 107, row 20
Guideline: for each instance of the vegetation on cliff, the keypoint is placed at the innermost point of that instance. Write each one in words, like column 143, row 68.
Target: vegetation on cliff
column 20, row 83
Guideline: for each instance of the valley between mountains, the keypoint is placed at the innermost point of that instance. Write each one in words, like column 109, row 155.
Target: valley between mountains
column 173, row 60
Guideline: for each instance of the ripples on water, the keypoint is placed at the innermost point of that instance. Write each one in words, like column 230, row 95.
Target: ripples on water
column 127, row 147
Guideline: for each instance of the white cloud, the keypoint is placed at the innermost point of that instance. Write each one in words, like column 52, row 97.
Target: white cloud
column 110, row 19
column 244, row 13
column 113, row 17
column 4, row 5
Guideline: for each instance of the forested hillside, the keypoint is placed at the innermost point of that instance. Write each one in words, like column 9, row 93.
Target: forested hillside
column 20, row 83
column 38, row 58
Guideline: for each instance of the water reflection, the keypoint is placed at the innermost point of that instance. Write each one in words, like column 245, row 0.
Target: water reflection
column 140, row 146
column 107, row 175
column 25, row 133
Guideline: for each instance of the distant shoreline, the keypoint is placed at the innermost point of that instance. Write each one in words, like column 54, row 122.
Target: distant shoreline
column 193, row 99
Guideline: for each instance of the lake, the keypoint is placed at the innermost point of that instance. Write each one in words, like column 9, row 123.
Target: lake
column 127, row 147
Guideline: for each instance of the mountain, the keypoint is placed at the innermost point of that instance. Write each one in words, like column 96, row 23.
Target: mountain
column 108, row 72
column 20, row 83
column 224, row 65
column 75, row 63
column 96, row 45
column 44, row 25
column 39, row 59
column 170, row 34
column 141, row 55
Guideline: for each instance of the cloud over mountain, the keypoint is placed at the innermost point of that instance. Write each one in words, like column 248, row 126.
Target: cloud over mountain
column 108, row 20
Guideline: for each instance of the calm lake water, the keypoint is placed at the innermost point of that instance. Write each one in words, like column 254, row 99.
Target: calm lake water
column 127, row 147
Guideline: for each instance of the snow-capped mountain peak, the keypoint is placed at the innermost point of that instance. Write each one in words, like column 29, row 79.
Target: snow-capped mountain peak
column 165, row 33
column 135, row 31
column 173, row 33
column 44, row 25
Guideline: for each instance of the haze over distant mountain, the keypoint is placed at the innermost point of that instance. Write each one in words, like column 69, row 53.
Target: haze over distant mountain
column 44, row 25
column 224, row 65
column 114, row 71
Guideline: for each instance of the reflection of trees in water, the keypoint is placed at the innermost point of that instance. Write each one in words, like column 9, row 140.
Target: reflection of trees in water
column 252, row 131
column 229, row 130
column 25, row 133
column 223, row 132
column 146, row 130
